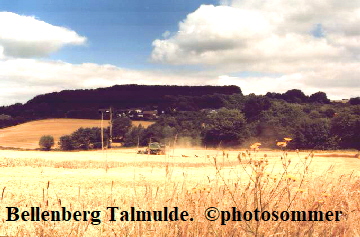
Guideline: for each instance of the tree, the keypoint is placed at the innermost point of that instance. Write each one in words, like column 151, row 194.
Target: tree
column 314, row 134
column 319, row 97
column 280, row 121
column 46, row 142
column 160, row 133
column 295, row 96
column 227, row 127
column 355, row 101
column 235, row 101
column 273, row 95
column 66, row 143
column 84, row 139
column 254, row 105
column 346, row 126
column 120, row 127
column 135, row 136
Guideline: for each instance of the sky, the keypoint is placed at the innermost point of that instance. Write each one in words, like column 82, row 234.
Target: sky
column 261, row 46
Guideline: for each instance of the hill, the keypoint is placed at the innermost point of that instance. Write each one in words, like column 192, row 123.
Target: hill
column 85, row 104
column 27, row 135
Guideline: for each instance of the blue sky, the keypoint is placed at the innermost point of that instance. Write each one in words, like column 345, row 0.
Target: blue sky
column 118, row 32
column 261, row 46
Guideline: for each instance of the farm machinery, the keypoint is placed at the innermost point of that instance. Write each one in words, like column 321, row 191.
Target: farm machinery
column 154, row 148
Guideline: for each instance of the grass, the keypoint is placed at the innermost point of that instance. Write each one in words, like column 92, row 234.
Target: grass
column 27, row 135
column 94, row 180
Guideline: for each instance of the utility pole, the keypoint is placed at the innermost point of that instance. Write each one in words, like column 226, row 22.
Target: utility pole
column 102, row 111
column 102, row 131
column 111, row 127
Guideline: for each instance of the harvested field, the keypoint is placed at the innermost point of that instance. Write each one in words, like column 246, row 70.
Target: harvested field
column 27, row 135
column 343, row 155
column 190, row 179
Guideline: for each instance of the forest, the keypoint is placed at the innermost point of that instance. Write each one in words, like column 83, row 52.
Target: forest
column 86, row 103
column 204, row 116
column 244, row 120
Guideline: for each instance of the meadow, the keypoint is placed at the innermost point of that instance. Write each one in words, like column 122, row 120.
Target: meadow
column 192, row 179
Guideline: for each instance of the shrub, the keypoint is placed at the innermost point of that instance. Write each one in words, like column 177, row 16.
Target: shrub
column 46, row 142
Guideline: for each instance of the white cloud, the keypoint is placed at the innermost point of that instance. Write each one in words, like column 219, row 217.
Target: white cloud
column 207, row 31
column 22, row 79
column 166, row 34
column 266, row 37
column 309, row 82
column 315, row 45
column 249, row 34
column 26, row 36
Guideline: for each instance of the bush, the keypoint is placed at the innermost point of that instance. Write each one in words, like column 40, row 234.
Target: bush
column 46, row 142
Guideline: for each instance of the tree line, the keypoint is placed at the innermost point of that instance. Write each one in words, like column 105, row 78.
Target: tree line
column 244, row 120
column 202, row 115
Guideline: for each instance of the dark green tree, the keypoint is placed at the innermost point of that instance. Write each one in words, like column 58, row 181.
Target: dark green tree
column 160, row 133
column 135, row 136
column 295, row 96
column 120, row 127
column 254, row 106
column 66, row 143
column 346, row 126
column 355, row 101
column 314, row 134
column 280, row 121
column 319, row 97
column 84, row 139
column 225, row 127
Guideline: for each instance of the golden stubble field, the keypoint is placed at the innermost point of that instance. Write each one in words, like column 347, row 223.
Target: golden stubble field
column 190, row 179
column 27, row 135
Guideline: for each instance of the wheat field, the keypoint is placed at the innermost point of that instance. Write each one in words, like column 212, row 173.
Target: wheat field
column 27, row 135
column 192, row 180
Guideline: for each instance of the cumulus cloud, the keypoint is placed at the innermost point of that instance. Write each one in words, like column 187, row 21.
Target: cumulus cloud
column 248, row 34
column 314, row 45
column 308, row 45
column 26, row 36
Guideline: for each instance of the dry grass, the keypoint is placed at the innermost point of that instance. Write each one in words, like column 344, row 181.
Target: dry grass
column 27, row 135
column 94, row 180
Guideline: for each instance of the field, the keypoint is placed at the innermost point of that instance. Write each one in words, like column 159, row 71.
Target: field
column 192, row 180
column 27, row 135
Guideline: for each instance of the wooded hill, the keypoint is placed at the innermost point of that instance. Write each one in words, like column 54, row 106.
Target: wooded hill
column 208, row 115
column 86, row 103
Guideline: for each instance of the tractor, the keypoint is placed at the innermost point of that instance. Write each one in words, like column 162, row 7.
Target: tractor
column 154, row 148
